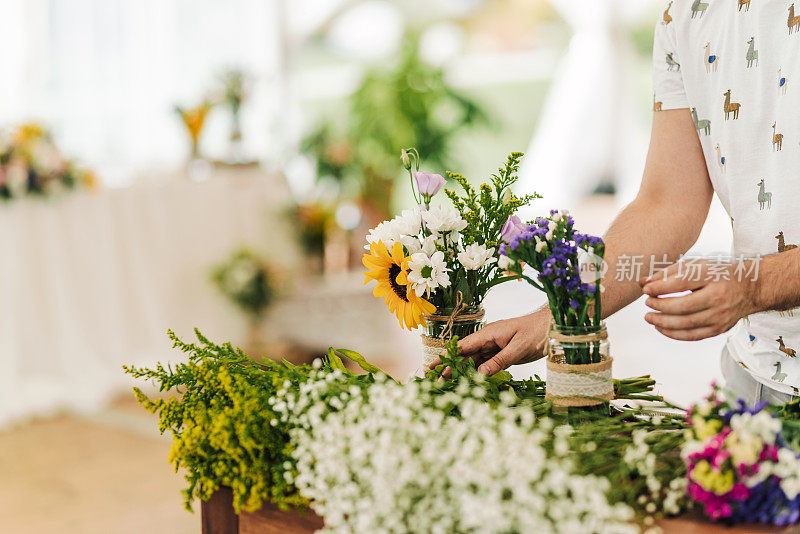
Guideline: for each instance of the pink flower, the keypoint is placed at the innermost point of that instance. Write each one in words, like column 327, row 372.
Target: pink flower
column 739, row 492
column 770, row 452
column 720, row 457
column 429, row 184
column 512, row 228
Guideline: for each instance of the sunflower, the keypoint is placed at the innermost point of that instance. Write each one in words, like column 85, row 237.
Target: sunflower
column 390, row 271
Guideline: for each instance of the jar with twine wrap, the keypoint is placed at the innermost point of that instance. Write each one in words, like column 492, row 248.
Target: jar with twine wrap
column 459, row 321
column 578, row 366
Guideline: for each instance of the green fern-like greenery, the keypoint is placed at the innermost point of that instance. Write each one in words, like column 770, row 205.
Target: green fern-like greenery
column 486, row 210
column 221, row 422
column 225, row 431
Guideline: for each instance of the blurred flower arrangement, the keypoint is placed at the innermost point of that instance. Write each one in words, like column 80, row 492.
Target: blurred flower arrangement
column 441, row 259
column 409, row 105
column 31, row 164
column 233, row 95
column 740, row 465
column 367, row 452
column 247, row 280
column 313, row 221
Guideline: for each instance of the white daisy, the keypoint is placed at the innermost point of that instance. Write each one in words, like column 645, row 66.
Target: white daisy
column 427, row 272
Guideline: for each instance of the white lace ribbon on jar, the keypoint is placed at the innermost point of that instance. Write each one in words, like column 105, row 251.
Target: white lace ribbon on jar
column 587, row 384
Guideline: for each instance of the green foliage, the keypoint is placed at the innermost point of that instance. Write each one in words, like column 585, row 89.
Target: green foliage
column 409, row 104
column 486, row 211
column 245, row 279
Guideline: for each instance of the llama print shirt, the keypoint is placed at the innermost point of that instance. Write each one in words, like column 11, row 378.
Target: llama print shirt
column 735, row 65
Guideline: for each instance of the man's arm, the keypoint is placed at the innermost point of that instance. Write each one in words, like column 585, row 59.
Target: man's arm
column 665, row 219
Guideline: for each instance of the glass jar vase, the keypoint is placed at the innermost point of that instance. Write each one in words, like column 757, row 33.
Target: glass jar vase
column 437, row 333
column 579, row 368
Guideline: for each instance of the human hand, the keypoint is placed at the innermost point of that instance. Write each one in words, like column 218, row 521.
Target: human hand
column 720, row 295
column 505, row 343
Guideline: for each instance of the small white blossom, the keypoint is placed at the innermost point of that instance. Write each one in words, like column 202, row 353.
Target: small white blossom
column 504, row 262
column 409, row 222
column 389, row 462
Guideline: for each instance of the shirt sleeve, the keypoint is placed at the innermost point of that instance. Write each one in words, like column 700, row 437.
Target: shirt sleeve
column 668, row 88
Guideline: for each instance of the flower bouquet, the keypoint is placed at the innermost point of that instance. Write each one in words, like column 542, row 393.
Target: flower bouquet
column 434, row 264
column 246, row 279
column 568, row 269
column 740, row 465
column 233, row 96
column 31, row 164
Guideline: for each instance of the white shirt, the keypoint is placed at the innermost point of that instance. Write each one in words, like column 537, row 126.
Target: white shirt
column 737, row 68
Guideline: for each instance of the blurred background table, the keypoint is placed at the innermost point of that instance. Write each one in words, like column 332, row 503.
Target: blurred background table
column 92, row 281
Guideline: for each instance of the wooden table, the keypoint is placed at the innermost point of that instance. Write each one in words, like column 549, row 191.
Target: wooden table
column 219, row 518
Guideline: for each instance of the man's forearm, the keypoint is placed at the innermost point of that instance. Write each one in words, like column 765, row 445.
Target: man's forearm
column 777, row 286
column 645, row 231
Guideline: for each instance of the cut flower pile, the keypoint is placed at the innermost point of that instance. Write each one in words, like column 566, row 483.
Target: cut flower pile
column 470, row 454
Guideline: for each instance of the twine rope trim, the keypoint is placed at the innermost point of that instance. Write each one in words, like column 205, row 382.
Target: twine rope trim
column 553, row 333
column 456, row 316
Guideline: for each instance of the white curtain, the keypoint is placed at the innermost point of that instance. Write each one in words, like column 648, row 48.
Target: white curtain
column 105, row 75
column 592, row 126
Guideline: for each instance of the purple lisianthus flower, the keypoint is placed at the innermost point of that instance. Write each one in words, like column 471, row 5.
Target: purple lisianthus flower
column 573, row 304
column 429, row 183
column 513, row 228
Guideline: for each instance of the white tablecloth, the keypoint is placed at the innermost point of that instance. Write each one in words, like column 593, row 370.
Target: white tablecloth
column 92, row 281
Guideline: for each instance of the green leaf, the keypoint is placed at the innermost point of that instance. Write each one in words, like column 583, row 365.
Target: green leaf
column 466, row 291
column 360, row 361
column 500, row 378
column 336, row 362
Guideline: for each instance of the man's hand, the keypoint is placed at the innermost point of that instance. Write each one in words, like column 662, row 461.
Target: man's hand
column 720, row 295
column 505, row 343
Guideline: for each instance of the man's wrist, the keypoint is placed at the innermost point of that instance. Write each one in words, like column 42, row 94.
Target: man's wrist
column 753, row 288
